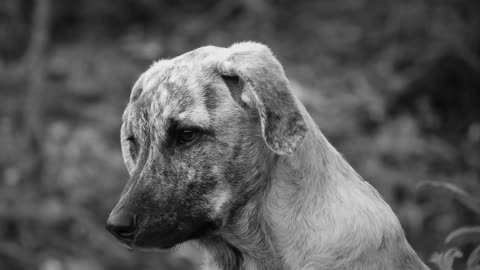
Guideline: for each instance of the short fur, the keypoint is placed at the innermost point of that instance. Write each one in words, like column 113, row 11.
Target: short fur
column 261, row 187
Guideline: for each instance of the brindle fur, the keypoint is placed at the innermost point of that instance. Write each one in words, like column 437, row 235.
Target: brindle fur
column 262, row 188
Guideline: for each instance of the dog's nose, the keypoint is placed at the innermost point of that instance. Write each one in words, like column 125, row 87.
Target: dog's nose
column 122, row 225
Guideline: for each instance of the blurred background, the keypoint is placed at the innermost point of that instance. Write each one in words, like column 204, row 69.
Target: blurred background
column 394, row 85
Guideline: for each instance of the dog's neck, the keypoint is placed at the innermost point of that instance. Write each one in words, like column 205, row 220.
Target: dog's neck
column 333, row 216
column 316, row 213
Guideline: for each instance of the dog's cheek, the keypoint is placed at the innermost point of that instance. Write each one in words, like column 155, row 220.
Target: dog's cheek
column 219, row 201
column 212, row 186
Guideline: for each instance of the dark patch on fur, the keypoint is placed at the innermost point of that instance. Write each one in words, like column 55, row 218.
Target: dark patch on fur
column 383, row 243
column 340, row 255
column 236, row 151
column 178, row 93
column 171, row 132
column 235, row 86
column 211, row 98
column 204, row 183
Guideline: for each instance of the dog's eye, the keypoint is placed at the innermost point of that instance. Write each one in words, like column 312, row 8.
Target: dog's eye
column 132, row 146
column 187, row 135
column 131, row 140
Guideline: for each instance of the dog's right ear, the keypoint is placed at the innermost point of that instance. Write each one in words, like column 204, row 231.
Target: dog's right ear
column 261, row 84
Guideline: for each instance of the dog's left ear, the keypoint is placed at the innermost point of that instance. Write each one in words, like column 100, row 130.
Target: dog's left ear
column 265, row 88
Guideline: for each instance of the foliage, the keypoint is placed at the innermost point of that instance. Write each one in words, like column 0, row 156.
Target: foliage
column 461, row 237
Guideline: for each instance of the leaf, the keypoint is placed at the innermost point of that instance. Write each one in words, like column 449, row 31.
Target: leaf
column 473, row 261
column 454, row 191
column 444, row 261
column 464, row 235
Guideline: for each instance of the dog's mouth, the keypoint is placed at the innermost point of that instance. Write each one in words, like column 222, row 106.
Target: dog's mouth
column 126, row 243
column 157, row 236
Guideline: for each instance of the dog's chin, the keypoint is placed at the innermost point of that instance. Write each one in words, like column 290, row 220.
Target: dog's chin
column 157, row 244
column 161, row 240
column 162, row 249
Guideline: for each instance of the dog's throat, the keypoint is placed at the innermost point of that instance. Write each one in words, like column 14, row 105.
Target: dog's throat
column 222, row 255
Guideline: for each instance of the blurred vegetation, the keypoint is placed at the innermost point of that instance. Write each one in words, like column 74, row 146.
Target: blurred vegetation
column 459, row 238
column 395, row 85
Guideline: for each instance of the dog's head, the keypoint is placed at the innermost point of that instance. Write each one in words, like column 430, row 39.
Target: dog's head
column 195, row 136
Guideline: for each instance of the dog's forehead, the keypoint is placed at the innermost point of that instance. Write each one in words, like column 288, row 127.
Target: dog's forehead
column 183, row 67
column 181, row 88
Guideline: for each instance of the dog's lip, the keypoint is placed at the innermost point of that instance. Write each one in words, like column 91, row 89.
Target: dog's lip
column 164, row 245
column 126, row 243
column 129, row 246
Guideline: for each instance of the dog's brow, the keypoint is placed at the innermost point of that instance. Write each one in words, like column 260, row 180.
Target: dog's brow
column 186, row 123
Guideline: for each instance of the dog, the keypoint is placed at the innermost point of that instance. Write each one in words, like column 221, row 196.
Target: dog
column 221, row 154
